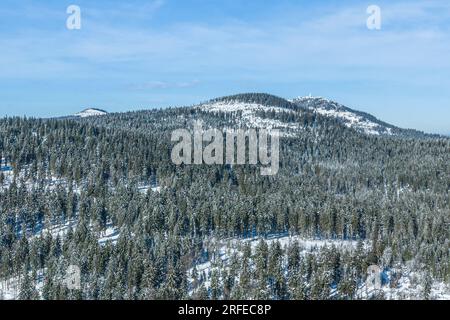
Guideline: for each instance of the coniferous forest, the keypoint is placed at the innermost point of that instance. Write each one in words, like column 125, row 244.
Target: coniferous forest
column 102, row 193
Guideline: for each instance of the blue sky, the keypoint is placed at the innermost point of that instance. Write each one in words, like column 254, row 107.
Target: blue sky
column 156, row 53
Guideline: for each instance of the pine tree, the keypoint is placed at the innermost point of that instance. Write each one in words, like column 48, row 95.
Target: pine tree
column 28, row 289
column 216, row 291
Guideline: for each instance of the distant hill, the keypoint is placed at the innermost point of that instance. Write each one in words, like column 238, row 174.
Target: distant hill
column 357, row 120
column 361, row 121
column 264, row 110
column 91, row 112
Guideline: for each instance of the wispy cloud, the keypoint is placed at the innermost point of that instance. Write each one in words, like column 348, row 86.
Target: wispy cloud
column 166, row 85
column 339, row 38
column 326, row 43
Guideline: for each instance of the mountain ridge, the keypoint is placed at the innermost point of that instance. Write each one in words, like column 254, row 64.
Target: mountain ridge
column 359, row 120
column 253, row 108
column 91, row 112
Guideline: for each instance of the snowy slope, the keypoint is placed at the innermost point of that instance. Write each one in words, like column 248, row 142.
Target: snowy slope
column 360, row 121
column 404, row 284
column 91, row 112
column 245, row 115
column 263, row 110
column 398, row 284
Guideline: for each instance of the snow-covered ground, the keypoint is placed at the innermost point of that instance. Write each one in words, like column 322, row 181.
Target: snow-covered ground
column 397, row 284
column 8, row 178
column 332, row 109
column 56, row 229
column 225, row 249
column 50, row 183
column 91, row 112
column 111, row 234
column 352, row 120
column 53, row 182
column 325, row 107
column 10, row 288
column 146, row 187
column 7, row 172
column 404, row 284
column 249, row 117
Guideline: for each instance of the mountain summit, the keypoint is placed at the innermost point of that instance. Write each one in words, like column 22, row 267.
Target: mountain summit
column 358, row 120
column 262, row 110
column 250, row 106
column 91, row 112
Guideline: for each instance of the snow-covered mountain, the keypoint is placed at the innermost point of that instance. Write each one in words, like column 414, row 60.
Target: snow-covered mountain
column 261, row 110
column 91, row 112
column 107, row 186
column 267, row 111
column 243, row 113
column 358, row 120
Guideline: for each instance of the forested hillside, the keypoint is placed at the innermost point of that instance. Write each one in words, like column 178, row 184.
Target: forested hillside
column 102, row 193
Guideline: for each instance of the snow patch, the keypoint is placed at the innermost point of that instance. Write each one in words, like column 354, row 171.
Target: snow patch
column 225, row 249
column 350, row 119
column 249, row 118
column 91, row 112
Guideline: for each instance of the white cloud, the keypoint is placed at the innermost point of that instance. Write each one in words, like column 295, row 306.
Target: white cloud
column 119, row 45
column 166, row 85
column 334, row 40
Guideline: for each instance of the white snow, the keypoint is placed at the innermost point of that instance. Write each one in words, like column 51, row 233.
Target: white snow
column 146, row 187
column 350, row 119
column 407, row 286
column 248, row 117
column 10, row 288
column 225, row 249
column 111, row 234
column 8, row 178
column 90, row 112
column 57, row 229
column 49, row 183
